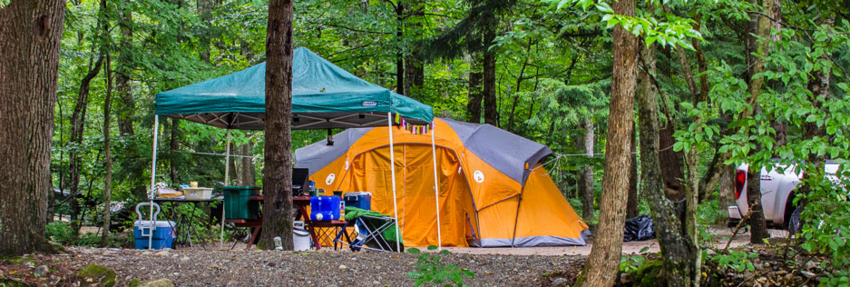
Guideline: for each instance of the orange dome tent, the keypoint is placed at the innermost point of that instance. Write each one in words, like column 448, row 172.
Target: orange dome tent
column 493, row 190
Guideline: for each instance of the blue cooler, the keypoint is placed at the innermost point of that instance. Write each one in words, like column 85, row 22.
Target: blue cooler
column 324, row 208
column 359, row 199
column 163, row 234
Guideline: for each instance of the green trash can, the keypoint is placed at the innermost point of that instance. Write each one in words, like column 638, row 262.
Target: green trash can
column 237, row 204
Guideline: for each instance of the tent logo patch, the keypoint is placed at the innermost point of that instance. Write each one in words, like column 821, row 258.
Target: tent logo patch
column 330, row 179
column 479, row 176
column 369, row 103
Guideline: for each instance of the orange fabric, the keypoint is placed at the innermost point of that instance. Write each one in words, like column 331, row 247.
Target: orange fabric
column 544, row 211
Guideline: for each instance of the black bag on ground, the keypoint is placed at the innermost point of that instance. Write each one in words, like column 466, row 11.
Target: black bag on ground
column 638, row 229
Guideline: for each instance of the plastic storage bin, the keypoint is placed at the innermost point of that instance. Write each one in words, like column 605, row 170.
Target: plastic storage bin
column 237, row 204
column 359, row 199
column 324, row 208
column 197, row 193
column 163, row 234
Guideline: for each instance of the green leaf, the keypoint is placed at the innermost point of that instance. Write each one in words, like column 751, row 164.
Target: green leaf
column 413, row 251
column 432, row 247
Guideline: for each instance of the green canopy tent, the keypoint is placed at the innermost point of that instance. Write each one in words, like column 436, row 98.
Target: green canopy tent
column 324, row 96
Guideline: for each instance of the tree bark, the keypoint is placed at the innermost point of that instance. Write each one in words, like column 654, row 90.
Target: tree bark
column 672, row 164
column 205, row 9
column 677, row 251
column 727, row 188
column 277, row 175
column 248, row 173
column 173, row 147
column 474, row 98
column 586, row 180
column 634, row 200
column 761, row 28
column 30, row 35
column 107, row 153
column 126, row 107
column 602, row 263
column 414, row 68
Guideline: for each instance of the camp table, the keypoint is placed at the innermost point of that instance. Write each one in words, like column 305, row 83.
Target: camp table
column 186, row 224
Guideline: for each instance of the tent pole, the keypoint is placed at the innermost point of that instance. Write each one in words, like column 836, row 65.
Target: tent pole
column 226, row 179
column 392, row 167
column 436, row 184
column 153, row 190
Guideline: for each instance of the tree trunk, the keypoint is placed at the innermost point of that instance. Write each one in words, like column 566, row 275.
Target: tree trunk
column 676, row 249
column 173, row 147
column 127, row 105
column 672, row 164
column 205, row 9
column 78, row 124
column 586, row 180
column 414, row 68
column 634, row 200
column 491, row 107
column 248, row 174
column 727, row 188
column 277, row 175
column 107, row 153
column 761, row 29
column 399, row 56
column 602, row 263
column 29, row 65
column 473, row 106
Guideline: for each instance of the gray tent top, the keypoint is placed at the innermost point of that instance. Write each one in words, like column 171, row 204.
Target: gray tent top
column 323, row 96
column 504, row 151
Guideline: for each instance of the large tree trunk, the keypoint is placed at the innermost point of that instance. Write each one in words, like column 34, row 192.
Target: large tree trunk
column 586, row 181
column 602, row 263
column 672, row 164
column 677, row 251
column 632, row 203
column 78, row 124
column 473, row 106
column 126, row 107
column 107, row 153
column 30, row 35
column 277, row 175
column 727, row 188
column 760, row 29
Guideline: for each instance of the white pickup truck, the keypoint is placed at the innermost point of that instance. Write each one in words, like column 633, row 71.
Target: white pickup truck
column 777, row 193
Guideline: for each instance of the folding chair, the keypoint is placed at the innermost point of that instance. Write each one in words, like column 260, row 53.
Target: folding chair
column 370, row 233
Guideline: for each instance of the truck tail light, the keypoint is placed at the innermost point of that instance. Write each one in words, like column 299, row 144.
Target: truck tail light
column 740, row 181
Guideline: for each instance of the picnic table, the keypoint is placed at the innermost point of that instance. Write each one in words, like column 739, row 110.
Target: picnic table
column 317, row 229
column 185, row 224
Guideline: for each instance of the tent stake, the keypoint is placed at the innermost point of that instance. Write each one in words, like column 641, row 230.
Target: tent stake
column 392, row 167
column 436, row 184
column 153, row 190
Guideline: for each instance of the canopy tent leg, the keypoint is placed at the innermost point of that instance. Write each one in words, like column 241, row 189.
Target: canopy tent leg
column 436, row 185
column 226, row 179
column 152, row 192
column 392, row 167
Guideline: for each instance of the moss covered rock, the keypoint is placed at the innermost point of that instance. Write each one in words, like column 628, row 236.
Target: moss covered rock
column 98, row 273
column 648, row 274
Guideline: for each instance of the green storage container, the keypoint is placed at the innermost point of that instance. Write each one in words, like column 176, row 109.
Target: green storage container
column 237, row 204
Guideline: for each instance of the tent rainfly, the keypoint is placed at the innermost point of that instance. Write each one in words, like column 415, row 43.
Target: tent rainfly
column 324, row 96
column 493, row 189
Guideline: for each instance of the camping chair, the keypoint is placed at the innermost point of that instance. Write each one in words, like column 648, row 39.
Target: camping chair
column 370, row 233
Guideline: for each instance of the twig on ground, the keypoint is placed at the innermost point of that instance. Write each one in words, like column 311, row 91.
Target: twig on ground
column 737, row 228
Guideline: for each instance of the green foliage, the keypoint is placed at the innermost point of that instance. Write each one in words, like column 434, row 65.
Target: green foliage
column 736, row 260
column 60, row 232
column 428, row 269
column 630, row 263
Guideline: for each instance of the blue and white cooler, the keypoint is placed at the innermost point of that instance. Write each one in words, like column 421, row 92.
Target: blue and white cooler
column 156, row 235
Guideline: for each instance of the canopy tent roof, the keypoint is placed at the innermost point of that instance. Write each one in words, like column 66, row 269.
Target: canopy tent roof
column 323, row 96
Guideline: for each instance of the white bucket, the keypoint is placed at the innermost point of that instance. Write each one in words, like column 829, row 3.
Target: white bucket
column 300, row 239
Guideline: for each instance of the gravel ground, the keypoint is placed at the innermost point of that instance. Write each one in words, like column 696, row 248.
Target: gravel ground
column 322, row 268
